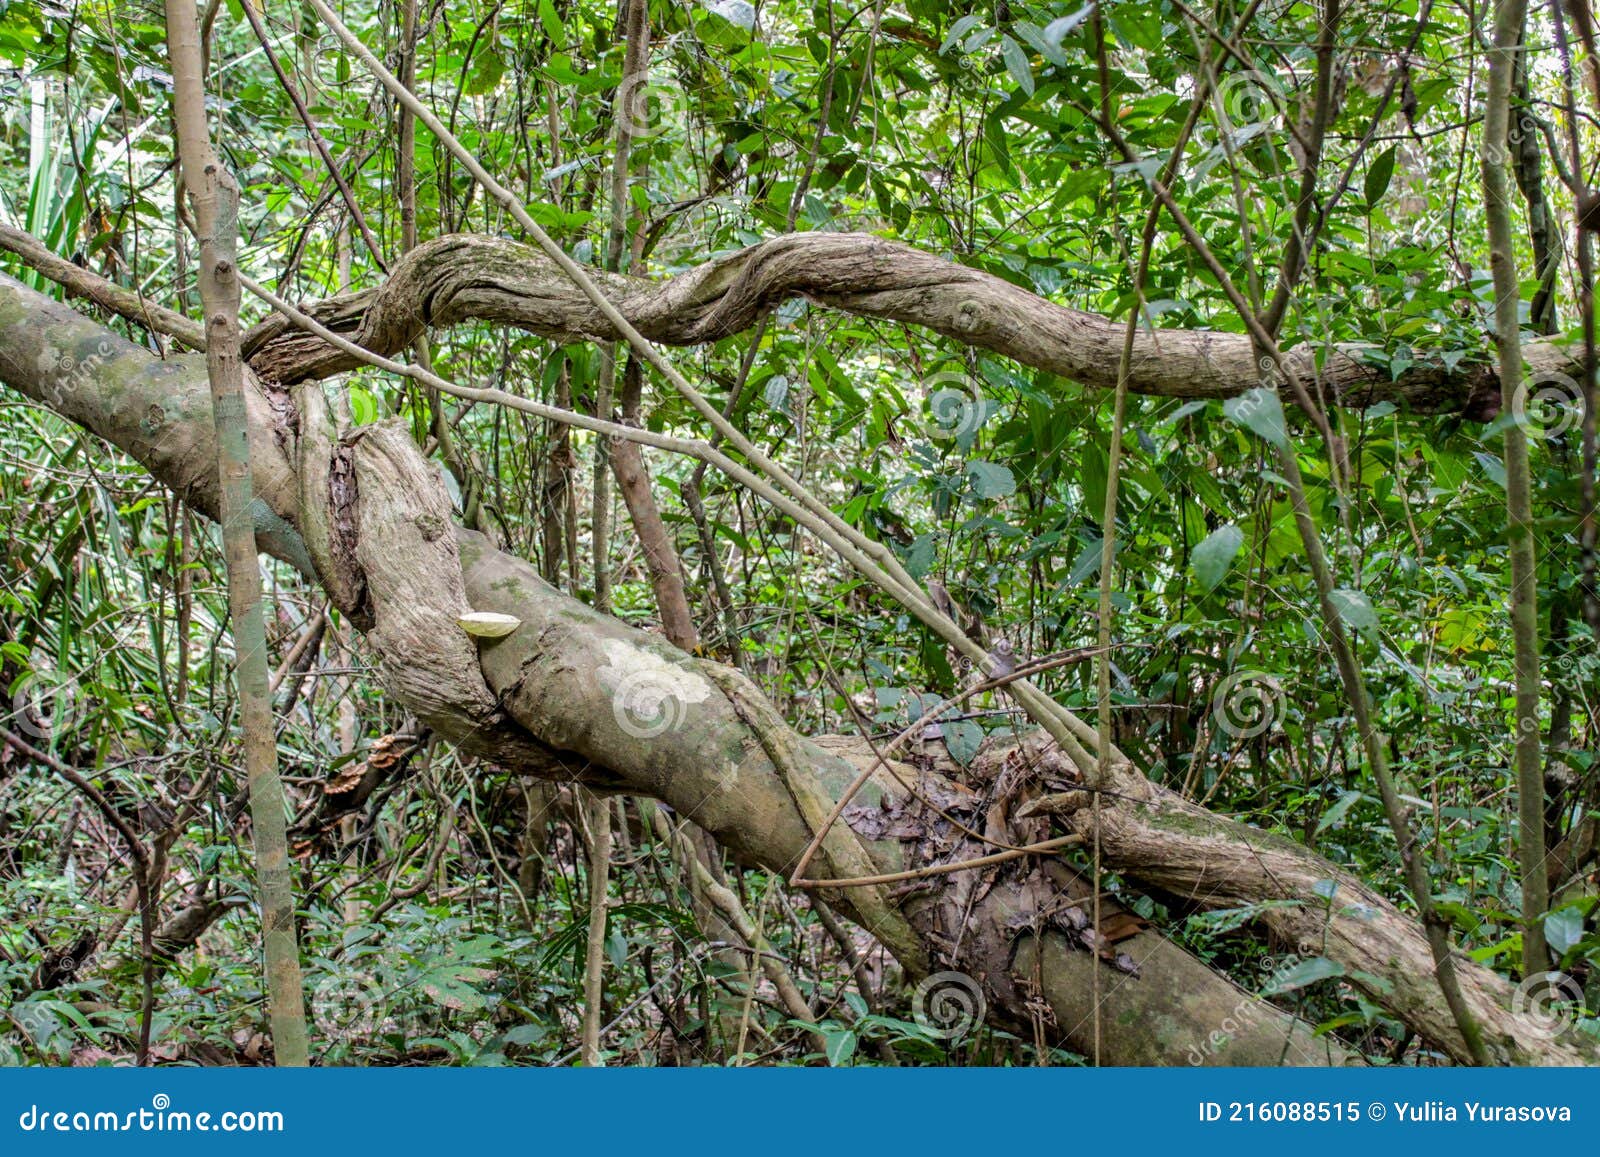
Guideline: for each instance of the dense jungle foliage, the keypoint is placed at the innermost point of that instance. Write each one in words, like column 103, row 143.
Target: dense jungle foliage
column 444, row 901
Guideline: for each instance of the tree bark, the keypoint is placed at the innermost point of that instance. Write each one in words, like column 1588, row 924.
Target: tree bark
column 467, row 277
column 552, row 700
column 215, row 197
column 1509, row 18
column 381, row 538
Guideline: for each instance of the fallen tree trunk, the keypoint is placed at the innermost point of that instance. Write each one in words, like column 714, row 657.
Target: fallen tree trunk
column 375, row 522
column 576, row 692
column 467, row 277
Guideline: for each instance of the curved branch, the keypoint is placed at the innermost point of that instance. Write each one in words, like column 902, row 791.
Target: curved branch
column 557, row 697
column 552, row 700
column 468, row 277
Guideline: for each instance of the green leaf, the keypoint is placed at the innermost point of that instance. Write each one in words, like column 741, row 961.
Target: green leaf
column 957, row 30
column 451, row 986
column 991, row 480
column 1260, row 412
column 1304, row 973
column 487, row 69
column 920, row 556
column 1213, row 557
column 1017, row 64
column 841, row 1045
column 1334, row 814
column 363, row 407
column 1563, row 929
column 1355, row 609
column 553, row 27
column 962, row 738
column 1379, row 175
column 735, row 12
column 526, row 1034
column 1058, row 30
column 776, row 393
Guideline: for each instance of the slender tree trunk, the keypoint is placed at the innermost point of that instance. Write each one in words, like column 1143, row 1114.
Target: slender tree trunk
column 215, row 198
column 1509, row 17
column 634, row 19
column 598, row 841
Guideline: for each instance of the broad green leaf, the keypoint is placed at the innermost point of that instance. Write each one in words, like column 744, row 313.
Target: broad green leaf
column 920, row 556
column 840, row 1044
column 991, row 479
column 1058, row 30
column 1260, row 412
column 1302, row 974
column 1213, row 557
column 1355, row 609
column 957, row 30
column 962, row 738
column 1563, row 929
column 487, row 69
column 1017, row 64
column 735, row 12
column 1379, row 175
column 1336, row 813
column 363, row 407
